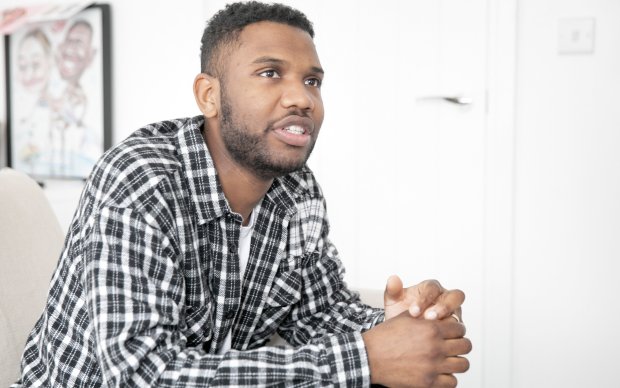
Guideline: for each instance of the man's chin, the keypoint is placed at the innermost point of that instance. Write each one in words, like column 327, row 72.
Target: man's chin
column 276, row 170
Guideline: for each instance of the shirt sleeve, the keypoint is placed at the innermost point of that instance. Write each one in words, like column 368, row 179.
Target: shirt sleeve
column 327, row 306
column 134, row 291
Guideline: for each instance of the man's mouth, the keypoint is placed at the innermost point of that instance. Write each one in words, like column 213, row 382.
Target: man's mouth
column 294, row 130
column 296, row 125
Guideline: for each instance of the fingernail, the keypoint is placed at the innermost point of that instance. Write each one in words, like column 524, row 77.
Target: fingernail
column 431, row 314
column 414, row 310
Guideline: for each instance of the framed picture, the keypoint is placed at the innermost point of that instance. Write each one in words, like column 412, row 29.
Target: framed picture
column 58, row 81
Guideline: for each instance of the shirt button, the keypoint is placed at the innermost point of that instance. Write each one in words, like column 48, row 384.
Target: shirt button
column 230, row 314
column 233, row 247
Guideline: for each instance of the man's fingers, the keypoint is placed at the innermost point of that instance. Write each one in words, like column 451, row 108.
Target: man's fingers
column 454, row 365
column 445, row 381
column 423, row 296
column 457, row 347
column 451, row 329
column 393, row 290
column 445, row 304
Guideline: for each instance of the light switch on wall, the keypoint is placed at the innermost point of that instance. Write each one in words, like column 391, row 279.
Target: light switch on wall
column 576, row 36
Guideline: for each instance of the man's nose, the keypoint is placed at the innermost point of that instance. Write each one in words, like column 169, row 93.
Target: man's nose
column 297, row 95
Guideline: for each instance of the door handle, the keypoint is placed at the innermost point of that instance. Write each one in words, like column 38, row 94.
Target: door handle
column 458, row 100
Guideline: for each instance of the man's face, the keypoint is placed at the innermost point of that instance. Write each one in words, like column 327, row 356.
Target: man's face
column 33, row 64
column 75, row 52
column 271, row 106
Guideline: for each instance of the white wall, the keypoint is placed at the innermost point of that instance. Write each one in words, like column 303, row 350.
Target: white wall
column 567, row 232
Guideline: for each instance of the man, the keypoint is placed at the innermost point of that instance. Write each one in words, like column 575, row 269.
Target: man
column 197, row 239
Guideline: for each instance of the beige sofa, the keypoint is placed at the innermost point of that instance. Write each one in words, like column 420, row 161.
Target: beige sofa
column 30, row 243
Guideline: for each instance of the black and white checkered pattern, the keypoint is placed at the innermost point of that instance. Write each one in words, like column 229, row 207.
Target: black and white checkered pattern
column 148, row 284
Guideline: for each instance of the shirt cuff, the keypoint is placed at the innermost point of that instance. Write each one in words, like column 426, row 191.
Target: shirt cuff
column 348, row 360
column 380, row 318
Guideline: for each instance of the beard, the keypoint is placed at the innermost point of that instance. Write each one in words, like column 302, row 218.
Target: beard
column 251, row 150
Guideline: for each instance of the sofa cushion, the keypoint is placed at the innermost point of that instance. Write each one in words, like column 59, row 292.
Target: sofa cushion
column 30, row 240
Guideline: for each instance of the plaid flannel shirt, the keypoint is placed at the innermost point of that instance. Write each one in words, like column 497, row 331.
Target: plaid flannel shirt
column 148, row 286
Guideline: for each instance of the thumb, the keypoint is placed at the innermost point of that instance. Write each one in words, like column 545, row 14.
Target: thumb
column 394, row 291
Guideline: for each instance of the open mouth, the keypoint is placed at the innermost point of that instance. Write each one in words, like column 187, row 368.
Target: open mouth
column 293, row 135
column 294, row 130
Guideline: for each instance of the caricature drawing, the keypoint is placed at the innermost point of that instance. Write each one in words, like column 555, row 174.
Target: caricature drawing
column 57, row 95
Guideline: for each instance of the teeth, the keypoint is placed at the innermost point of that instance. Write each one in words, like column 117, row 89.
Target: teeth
column 296, row 129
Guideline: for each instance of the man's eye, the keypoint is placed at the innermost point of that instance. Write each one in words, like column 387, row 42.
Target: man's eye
column 270, row 74
column 315, row 82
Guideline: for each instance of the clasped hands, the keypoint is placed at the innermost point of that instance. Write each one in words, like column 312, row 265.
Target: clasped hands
column 428, row 299
column 420, row 344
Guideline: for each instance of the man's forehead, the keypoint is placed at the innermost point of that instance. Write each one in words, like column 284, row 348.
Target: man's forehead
column 269, row 39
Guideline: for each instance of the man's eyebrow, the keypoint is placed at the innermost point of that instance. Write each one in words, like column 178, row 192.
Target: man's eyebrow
column 316, row 69
column 277, row 61
column 273, row 60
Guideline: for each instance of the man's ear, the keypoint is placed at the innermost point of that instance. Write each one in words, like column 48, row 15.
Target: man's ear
column 207, row 94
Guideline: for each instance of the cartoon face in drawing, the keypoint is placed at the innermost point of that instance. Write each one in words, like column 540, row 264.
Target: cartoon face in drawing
column 75, row 52
column 34, row 61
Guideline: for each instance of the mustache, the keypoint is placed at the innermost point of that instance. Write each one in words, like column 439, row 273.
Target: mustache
column 292, row 112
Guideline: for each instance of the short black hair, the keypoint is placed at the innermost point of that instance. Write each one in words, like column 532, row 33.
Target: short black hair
column 225, row 26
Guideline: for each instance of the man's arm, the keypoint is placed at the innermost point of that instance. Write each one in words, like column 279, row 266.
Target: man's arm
column 401, row 351
column 327, row 306
column 134, row 291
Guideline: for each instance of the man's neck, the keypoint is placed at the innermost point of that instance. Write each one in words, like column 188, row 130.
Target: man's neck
column 243, row 189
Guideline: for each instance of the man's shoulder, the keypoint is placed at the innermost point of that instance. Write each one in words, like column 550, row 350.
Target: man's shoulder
column 145, row 158
column 151, row 145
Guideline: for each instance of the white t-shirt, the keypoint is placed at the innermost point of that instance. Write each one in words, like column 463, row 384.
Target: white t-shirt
column 245, row 237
